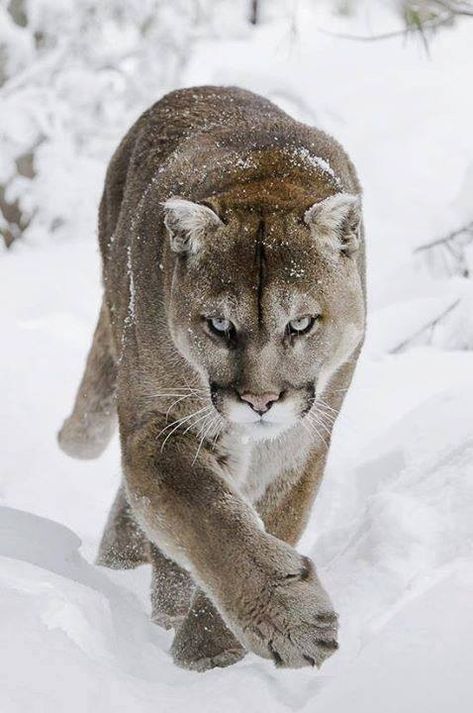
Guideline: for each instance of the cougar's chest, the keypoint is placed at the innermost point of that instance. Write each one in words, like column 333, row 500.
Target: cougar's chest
column 251, row 467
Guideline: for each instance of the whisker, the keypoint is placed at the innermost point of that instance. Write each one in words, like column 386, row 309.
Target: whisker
column 316, row 430
column 195, row 388
column 329, row 417
column 180, row 422
column 336, row 415
column 191, row 425
column 181, row 398
column 319, row 406
column 320, row 402
column 219, row 427
column 315, row 423
column 201, row 441
column 320, row 422
column 323, row 417
column 158, row 394
column 171, row 432
column 179, row 391
column 324, row 404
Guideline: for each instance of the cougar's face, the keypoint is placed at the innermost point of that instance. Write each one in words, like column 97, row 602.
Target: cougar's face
column 265, row 313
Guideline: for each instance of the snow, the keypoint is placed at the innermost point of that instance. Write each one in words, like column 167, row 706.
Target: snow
column 303, row 156
column 391, row 532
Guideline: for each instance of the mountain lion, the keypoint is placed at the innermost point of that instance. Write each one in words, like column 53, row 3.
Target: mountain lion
column 232, row 318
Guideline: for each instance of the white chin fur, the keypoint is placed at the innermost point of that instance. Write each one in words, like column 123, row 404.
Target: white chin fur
column 277, row 420
column 266, row 430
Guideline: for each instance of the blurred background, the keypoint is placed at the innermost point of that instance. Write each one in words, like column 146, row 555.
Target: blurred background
column 389, row 78
column 392, row 532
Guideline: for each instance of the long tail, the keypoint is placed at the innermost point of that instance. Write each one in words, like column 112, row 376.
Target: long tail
column 88, row 430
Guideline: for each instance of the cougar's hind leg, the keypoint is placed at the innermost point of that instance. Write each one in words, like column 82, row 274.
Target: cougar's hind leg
column 87, row 431
column 123, row 545
column 171, row 590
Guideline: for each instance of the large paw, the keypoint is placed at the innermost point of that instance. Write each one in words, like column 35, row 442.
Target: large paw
column 203, row 641
column 292, row 621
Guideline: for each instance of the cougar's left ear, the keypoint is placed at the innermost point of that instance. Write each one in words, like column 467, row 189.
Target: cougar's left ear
column 187, row 223
column 335, row 222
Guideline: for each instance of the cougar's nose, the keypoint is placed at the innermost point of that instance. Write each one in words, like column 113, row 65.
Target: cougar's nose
column 260, row 402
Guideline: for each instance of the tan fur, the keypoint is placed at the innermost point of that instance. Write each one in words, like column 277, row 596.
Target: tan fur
column 219, row 205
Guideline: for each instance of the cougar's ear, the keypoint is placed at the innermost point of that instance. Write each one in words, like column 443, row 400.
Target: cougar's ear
column 335, row 222
column 187, row 223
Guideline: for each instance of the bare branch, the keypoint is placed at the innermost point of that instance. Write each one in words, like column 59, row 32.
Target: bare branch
column 457, row 8
column 436, row 14
column 254, row 12
column 446, row 239
column 427, row 25
column 425, row 328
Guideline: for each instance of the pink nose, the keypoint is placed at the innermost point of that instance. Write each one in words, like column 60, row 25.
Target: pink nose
column 260, row 402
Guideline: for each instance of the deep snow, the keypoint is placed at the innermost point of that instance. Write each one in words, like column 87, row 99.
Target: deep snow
column 392, row 529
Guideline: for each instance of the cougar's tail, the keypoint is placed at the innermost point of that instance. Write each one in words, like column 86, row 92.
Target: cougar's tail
column 87, row 431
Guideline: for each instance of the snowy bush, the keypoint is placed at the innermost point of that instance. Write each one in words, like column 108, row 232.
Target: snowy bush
column 74, row 75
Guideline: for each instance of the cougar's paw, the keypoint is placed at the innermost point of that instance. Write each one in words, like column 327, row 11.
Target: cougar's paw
column 293, row 621
column 203, row 641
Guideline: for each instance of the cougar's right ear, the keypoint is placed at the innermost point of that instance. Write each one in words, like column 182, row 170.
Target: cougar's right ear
column 187, row 223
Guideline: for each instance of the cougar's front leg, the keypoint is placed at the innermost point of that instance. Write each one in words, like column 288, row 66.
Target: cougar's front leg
column 268, row 595
column 285, row 507
column 204, row 641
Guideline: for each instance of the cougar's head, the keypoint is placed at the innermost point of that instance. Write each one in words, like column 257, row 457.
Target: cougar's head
column 265, row 305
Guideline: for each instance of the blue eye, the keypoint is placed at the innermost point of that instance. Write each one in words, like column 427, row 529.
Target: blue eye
column 220, row 326
column 302, row 325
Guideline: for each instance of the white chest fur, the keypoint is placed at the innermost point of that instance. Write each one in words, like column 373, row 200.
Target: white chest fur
column 253, row 465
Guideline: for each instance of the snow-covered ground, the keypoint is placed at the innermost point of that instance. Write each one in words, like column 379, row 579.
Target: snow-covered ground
column 392, row 529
